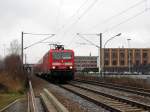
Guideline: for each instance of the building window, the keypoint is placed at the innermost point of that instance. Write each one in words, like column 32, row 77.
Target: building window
column 145, row 55
column 130, row 54
column 137, row 62
column 137, row 54
column 106, row 55
column 106, row 62
column 122, row 62
column 114, row 62
column 121, row 54
column 114, row 55
column 145, row 62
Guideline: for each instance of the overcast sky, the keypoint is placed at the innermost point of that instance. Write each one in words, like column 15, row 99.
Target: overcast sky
column 65, row 18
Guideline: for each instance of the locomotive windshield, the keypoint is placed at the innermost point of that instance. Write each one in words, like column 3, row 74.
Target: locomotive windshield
column 62, row 55
column 66, row 55
column 56, row 55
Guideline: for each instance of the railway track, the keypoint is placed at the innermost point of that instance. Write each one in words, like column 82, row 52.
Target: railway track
column 138, row 91
column 32, row 104
column 107, row 101
column 46, row 103
column 50, row 103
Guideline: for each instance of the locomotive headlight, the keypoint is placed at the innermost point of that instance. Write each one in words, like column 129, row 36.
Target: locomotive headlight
column 53, row 67
column 70, row 67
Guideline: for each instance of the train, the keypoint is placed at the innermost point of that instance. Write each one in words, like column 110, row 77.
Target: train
column 57, row 64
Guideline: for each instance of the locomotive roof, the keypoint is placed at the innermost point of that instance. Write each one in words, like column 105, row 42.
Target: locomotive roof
column 60, row 50
column 52, row 50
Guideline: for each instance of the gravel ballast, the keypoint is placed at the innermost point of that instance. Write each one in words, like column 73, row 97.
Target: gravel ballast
column 71, row 101
column 122, row 94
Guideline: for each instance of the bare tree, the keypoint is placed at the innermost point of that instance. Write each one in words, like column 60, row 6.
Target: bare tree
column 12, row 62
column 1, row 64
column 14, row 47
column 11, row 69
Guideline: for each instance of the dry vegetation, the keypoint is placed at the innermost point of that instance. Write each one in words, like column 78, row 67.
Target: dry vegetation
column 12, row 78
column 10, row 84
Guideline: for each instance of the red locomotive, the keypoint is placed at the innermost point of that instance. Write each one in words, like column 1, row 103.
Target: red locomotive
column 57, row 64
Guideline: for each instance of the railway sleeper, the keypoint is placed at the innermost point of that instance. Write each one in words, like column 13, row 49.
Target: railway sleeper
column 131, row 102
column 48, row 105
column 105, row 100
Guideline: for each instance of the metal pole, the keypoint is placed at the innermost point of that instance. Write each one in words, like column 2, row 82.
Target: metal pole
column 104, row 61
column 129, row 54
column 104, row 51
column 100, row 56
column 4, row 49
column 25, row 59
column 22, row 47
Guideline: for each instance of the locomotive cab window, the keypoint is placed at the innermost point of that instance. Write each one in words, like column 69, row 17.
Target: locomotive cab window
column 66, row 55
column 62, row 55
column 56, row 55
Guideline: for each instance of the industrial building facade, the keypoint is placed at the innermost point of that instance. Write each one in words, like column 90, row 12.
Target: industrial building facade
column 85, row 62
column 124, row 60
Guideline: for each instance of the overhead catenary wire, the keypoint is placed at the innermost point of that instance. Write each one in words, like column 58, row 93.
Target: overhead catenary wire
column 65, row 24
column 117, row 15
column 40, row 41
column 78, row 10
column 112, row 17
column 70, row 43
column 36, row 33
column 87, row 40
column 132, row 17
column 146, row 5
column 59, row 13
column 82, row 15
column 136, row 15
column 83, row 43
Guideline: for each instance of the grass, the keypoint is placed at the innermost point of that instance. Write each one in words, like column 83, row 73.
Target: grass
column 12, row 89
column 7, row 98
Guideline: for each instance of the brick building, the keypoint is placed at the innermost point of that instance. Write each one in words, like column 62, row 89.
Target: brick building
column 123, row 59
column 85, row 62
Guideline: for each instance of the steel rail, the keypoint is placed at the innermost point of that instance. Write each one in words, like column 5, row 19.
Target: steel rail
column 102, row 82
column 92, row 100
column 32, row 102
column 51, row 103
column 137, row 91
column 131, row 102
column 134, row 104
column 130, row 87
